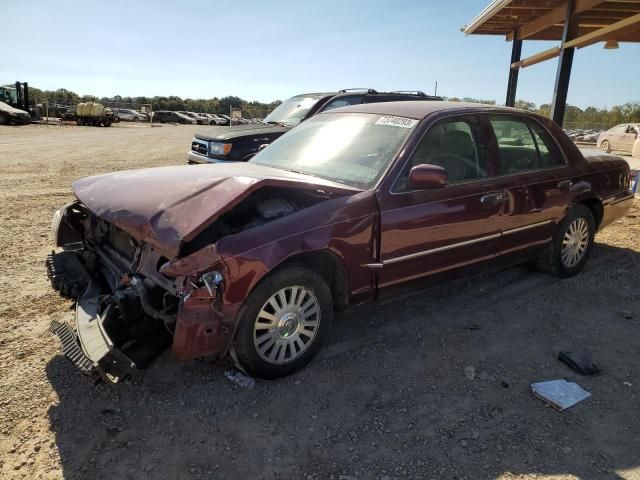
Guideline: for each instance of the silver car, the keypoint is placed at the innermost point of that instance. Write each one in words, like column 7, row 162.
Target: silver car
column 129, row 115
column 620, row 138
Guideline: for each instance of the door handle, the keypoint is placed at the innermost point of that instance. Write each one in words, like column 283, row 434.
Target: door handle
column 491, row 200
column 565, row 185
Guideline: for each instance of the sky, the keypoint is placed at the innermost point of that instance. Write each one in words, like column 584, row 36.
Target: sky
column 270, row 50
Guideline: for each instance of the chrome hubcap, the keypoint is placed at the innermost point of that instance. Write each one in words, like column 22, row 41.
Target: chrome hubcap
column 286, row 324
column 575, row 242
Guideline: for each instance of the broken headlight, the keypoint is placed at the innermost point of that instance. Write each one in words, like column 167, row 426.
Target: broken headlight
column 219, row 148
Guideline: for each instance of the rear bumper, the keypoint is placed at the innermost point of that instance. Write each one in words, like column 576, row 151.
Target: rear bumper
column 615, row 208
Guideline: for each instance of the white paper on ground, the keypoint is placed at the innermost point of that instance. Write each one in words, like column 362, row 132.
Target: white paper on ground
column 560, row 394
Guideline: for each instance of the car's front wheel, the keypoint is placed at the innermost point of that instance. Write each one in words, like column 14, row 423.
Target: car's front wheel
column 605, row 146
column 285, row 323
column 571, row 245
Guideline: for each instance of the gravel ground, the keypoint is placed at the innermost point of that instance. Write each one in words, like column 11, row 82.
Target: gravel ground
column 388, row 397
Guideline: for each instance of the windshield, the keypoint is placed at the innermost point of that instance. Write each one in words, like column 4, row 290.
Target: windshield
column 353, row 149
column 292, row 111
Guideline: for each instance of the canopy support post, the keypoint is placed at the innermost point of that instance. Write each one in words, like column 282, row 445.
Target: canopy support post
column 512, row 84
column 565, row 62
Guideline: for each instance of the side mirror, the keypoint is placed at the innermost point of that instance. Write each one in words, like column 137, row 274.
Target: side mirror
column 427, row 176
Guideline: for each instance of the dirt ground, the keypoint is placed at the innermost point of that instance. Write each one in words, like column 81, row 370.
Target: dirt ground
column 387, row 398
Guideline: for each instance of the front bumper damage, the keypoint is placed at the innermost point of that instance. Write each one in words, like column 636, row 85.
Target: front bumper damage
column 119, row 331
column 89, row 346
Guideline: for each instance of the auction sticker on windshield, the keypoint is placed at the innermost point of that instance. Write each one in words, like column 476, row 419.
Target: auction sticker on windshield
column 397, row 122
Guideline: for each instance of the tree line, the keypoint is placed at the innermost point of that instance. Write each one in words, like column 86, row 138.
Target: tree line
column 63, row 97
column 575, row 117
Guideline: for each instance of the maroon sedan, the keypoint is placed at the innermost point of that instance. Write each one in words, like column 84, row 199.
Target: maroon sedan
column 256, row 258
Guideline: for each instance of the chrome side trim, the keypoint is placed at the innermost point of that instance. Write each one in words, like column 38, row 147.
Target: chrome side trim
column 526, row 227
column 374, row 265
column 456, row 245
column 441, row 249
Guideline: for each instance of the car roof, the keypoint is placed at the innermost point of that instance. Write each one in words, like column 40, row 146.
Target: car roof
column 417, row 109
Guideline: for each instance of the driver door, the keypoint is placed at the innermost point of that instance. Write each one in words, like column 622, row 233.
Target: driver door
column 429, row 231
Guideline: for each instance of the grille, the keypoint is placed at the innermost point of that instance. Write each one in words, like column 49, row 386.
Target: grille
column 70, row 346
column 199, row 148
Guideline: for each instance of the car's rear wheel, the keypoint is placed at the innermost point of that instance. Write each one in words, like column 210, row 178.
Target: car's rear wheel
column 4, row 119
column 605, row 146
column 285, row 323
column 136, row 119
column 571, row 245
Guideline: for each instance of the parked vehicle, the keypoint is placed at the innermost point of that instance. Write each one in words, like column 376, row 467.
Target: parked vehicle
column 620, row 138
column 200, row 120
column 93, row 114
column 13, row 116
column 225, row 117
column 166, row 116
column 214, row 119
column 128, row 115
column 68, row 114
column 241, row 142
column 257, row 256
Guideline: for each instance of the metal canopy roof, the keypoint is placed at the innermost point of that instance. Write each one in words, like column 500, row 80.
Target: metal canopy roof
column 544, row 19
column 574, row 23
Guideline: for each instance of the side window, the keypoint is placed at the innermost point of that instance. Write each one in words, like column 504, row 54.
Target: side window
column 342, row 102
column 548, row 150
column 516, row 146
column 453, row 145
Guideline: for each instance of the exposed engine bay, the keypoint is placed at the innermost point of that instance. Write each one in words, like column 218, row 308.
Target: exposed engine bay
column 127, row 311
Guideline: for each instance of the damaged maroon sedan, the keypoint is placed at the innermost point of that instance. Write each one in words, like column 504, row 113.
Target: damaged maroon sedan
column 255, row 258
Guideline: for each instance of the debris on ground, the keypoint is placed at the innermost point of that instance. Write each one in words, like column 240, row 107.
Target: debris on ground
column 560, row 394
column 470, row 372
column 240, row 379
column 580, row 361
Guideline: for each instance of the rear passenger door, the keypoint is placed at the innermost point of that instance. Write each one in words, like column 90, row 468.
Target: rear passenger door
column 535, row 178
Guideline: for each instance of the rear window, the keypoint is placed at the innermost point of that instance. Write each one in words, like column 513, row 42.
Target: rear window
column 524, row 145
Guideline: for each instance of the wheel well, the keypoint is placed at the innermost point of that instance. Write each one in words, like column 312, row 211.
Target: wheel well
column 596, row 208
column 332, row 270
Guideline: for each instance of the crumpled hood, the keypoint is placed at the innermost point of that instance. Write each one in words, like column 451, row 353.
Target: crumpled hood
column 240, row 131
column 167, row 206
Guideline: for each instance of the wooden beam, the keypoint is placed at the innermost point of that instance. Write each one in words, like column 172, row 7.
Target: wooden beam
column 609, row 32
column 554, row 17
column 537, row 58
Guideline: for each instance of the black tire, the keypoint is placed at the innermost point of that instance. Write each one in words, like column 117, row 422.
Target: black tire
column 246, row 352
column 136, row 119
column 4, row 119
column 551, row 261
column 116, row 119
column 605, row 146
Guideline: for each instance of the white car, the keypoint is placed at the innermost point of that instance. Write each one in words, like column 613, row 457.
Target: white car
column 213, row 119
column 128, row 115
column 621, row 138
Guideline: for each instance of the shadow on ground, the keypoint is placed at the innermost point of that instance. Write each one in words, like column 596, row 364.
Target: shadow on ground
column 388, row 397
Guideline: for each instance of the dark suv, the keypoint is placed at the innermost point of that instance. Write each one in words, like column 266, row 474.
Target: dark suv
column 165, row 116
column 241, row 142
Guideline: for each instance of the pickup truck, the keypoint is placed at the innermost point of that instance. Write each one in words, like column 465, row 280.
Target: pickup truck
column 241, row 142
